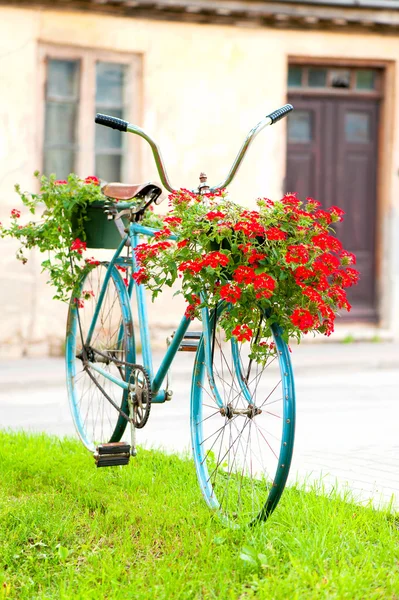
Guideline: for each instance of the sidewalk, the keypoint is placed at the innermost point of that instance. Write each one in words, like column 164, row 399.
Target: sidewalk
column 347, row 412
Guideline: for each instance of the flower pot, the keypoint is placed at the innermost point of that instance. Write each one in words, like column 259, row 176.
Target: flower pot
column 99, row 232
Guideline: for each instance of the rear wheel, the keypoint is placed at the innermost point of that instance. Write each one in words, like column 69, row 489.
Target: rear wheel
column 243, row 449
column 99, row 331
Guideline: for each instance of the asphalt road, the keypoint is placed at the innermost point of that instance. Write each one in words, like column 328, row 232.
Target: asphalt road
column 347, row 413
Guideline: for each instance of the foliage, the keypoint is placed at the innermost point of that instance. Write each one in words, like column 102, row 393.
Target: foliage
column 280, row 258
column 59, row 232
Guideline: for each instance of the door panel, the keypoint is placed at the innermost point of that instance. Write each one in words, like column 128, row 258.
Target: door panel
column 336, row 164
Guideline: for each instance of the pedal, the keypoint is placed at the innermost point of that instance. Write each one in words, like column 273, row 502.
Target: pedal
column 111, row 455
column 190, row 341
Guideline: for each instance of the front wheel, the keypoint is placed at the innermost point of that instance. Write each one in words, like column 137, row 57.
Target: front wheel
column 242, row 449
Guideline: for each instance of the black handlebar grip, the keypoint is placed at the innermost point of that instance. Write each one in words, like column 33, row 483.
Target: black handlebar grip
column 112, row 122
column 278, row 114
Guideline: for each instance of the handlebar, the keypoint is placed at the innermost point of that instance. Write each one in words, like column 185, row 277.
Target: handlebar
column 122, row 125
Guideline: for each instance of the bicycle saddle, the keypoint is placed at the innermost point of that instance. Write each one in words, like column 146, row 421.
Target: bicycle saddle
column 122, row 191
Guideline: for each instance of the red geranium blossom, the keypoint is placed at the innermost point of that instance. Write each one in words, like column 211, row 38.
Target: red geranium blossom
column 78, row 245
column 141, row 276
column 274, row 233
column 190, row 310
column 244, row 275
column 92, row 179
column 215, row 215
column 215, row 259
column 242, row 333
column 60, row 182
column 230, row 293
column 303, row 319
column 92, row 261
column 297, row 254
column 15, row 213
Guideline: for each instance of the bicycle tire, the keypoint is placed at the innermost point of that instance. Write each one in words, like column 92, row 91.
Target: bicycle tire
column 242, row 475
column 95, row 419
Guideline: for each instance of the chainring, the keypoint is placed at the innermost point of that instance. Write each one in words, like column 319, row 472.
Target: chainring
column 139, row 395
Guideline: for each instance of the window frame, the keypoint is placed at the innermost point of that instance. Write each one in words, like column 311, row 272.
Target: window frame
column 85, row 153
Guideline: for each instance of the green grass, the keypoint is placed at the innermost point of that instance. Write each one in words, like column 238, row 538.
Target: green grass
column 69, row 530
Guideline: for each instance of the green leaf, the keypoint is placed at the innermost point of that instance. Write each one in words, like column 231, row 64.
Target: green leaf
column 63, row 552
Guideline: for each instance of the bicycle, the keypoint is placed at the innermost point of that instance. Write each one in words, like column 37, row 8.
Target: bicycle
column 242, row 412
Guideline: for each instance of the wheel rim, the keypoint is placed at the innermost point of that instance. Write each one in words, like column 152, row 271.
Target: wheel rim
column 243, row 451
column 96, row 420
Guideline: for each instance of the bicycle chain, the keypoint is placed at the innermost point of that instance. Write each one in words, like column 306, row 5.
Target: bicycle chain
column 139, row 424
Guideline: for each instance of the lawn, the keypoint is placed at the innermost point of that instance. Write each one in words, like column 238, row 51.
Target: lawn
column 69, row 530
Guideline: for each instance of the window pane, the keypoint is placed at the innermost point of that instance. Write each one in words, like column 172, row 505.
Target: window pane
column 110, row 81
column 317, row 77
column 60, row 123
column 294, row 76
column 108, row 167
column 61, row 116
column 357, row 127
column 62, row 78
column 365, row 80
column 340, row 78
column 300, row 127
column 60, row 162
column 109, row 143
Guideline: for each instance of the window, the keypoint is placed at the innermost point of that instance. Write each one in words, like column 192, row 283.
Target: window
column 330, row 79
column 79, row 83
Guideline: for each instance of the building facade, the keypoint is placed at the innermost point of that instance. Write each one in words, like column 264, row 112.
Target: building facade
column 197, row 75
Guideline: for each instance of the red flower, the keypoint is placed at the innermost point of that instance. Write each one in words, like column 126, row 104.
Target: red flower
column 15, row 213
column 215, row 259
column 230, row 293
column 327, row 242
column 346, row 277
column 302, row 273
column 92, row 179
column 297, row 254
column 190, row 310
column 78, row 246
column 290, row 199
column 140, row 276
column 274, row 233
column 347, row 258
column 303, row 319
column 264, row 286
column 327, row 263
column 87, row 294
column 255, row 257
column 323, row 216
column 215, row 215
column 312, row 204
column 244, row 275
column 182, row 244
column 92, row 261
column 194, row 266
column 79, row 302
column 61, row 182
column 162, row 233
column 338, row 296
column 312, row 295
column 242, row 333
column 173, row 221
column 336, row 213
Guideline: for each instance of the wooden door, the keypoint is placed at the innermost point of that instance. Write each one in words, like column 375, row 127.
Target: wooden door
column 332, row 157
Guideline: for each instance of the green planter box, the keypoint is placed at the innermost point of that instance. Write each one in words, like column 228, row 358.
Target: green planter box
column 100, row 232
